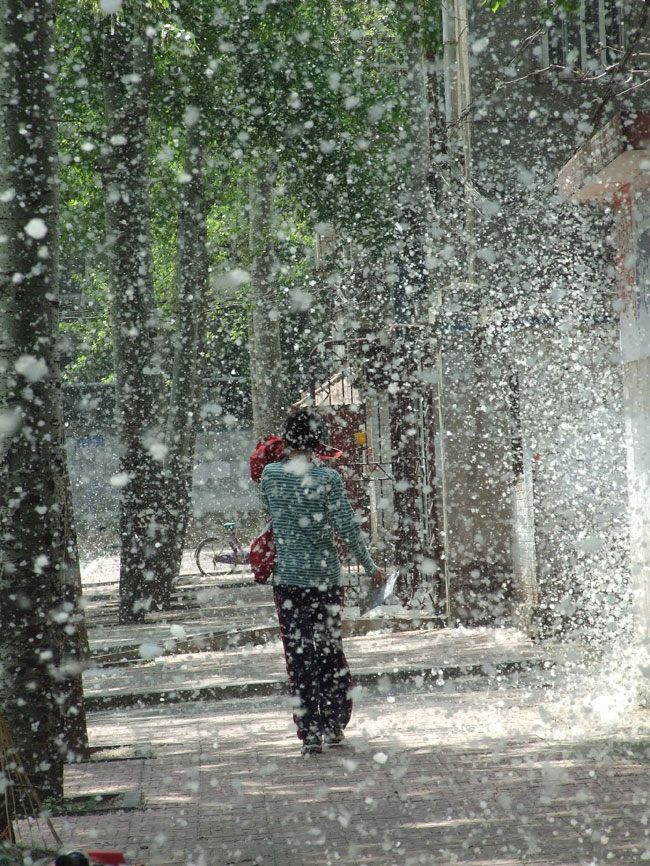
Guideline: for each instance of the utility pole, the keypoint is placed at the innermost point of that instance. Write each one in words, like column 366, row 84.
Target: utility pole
column 267, row 374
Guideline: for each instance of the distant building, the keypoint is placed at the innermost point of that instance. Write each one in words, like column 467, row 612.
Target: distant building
column 518, row 446
column 612, row 170
column 222, row 489
column 533, row 391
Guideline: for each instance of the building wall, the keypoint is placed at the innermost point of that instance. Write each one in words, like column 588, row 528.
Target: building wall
column 555, row 532
column 477, row 479
column 573, row 423
column 637, row 405
column 221, row 491
column 632, row 205
column 541, row 290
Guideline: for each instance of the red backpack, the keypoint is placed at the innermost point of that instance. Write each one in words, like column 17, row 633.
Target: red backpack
column 271, row 449
column 262, row 555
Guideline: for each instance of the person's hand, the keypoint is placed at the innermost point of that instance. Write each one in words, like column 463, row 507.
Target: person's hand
column 378, row 577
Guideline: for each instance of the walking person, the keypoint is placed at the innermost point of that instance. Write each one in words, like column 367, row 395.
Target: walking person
column 307, row 501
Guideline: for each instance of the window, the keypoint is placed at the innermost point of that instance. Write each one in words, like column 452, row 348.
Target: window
column 588, row 41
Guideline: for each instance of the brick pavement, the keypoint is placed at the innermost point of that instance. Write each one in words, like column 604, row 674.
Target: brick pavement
column 547, row 768
column 466, row 773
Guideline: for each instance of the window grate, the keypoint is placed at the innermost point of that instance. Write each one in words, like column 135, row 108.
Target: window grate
column 588, row 41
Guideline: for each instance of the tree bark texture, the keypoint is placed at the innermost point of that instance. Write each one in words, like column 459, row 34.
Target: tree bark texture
column 76, row 650
column 414, row 216
column 189, row 339
column 267, row 373
column 405, row 465
column 127, row 69
column 39, row 573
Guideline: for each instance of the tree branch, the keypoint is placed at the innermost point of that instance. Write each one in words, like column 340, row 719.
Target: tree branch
column 610, row 91
column 637, row 86
column 614, row 71
column 532, row 37
column 499, row 84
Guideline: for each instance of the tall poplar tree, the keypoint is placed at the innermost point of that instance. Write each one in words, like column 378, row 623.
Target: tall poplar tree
column 188, row 343
column 127, row 70
column 267, row 372
column 39, row 575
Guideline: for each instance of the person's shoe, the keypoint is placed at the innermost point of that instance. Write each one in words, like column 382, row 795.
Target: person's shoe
column 333, row 738
column 311, row 745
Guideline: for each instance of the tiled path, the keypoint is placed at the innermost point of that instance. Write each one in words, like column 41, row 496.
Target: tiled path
column 548, row 768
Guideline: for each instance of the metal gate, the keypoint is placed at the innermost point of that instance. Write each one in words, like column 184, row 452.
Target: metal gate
column 383, row 413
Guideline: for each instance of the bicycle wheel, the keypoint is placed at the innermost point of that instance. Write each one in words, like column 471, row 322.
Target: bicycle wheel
column 215, row 556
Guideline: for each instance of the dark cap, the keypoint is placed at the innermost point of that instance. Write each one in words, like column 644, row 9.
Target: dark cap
column 303, row 429
column 72, row 858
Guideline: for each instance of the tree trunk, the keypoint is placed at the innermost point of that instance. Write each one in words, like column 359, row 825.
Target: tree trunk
column 411, row 298
column 415, row 210
column 403, row 408
column 75, row 650
column 267, row 374
column 190, row 322
column 38, row 555
column 138, row 371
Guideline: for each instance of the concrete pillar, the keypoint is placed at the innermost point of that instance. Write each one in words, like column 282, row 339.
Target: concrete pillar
column 636, row 384
column 633, row 299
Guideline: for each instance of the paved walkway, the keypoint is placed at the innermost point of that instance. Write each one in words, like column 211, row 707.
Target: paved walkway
column 548, row 764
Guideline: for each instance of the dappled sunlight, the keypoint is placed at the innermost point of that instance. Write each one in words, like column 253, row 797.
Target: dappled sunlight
column 490, row 774
column 374, row 274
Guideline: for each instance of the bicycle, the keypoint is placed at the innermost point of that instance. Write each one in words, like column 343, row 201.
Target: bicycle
column 215, row 551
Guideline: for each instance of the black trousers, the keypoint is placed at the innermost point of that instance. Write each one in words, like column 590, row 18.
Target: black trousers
column 319, row 676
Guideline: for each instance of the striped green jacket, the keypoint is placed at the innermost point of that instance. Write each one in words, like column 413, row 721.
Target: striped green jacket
column 306, row 501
